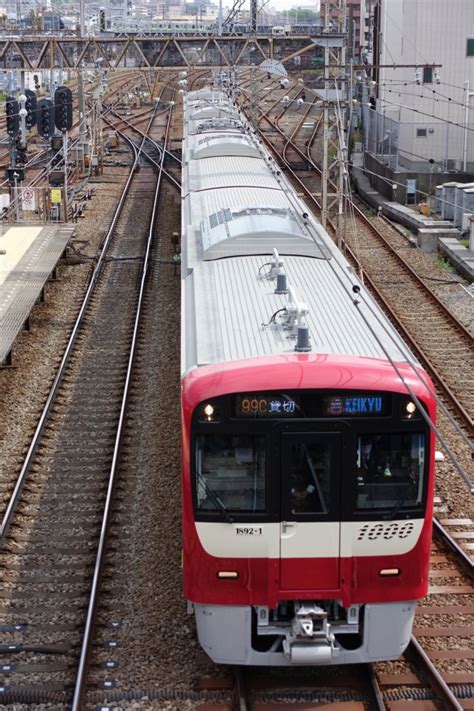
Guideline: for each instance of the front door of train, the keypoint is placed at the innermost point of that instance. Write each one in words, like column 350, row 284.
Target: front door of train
column 310, row 510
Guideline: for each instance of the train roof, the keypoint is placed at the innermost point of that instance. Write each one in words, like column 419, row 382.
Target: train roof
column 241, row 218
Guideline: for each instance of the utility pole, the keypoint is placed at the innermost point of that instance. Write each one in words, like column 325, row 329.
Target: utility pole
column 254, row 112
column 466, row 123
column 334, row 97
column 219, row 20
column 80, row 90
column 253, row 16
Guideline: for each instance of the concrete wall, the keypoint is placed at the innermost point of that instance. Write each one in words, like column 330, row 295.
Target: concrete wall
column 428, row 32
column 425, row 182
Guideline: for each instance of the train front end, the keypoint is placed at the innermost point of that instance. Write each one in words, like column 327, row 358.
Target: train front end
column 307, row 490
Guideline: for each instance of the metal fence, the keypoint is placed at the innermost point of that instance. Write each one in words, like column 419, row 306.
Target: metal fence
column 421, row 145
column 32, row 204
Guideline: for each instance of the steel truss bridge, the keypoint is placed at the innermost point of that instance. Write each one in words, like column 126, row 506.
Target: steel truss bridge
column 160, row 52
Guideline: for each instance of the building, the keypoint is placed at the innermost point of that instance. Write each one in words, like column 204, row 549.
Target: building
column 423, row 117
column 355, row 12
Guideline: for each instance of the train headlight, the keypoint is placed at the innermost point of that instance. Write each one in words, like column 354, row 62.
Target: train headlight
column 209, row 412
column 410, row 410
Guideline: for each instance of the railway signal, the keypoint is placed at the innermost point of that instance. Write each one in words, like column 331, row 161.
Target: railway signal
column 56, row 149
column 31, row 104
column 15, row 176
column 12, row 110
column 20, row 153
column 63, row 108
column 45, row 118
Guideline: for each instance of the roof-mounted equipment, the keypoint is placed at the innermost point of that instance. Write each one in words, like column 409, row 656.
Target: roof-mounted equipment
column 294, row 321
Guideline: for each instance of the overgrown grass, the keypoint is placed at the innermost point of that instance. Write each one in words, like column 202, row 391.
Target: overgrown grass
column 444, row 264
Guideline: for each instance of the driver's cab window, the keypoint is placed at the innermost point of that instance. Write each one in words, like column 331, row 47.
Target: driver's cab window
column 230, row 472
column 310, row 467
column 389, row 470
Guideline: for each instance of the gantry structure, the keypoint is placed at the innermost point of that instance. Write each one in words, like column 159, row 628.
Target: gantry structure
column 156, row 52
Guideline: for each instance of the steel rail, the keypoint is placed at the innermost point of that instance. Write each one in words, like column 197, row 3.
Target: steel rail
column 242, row 703
column 290, row 141
column 376, row 692
column 100, row 558
column 135, row 128
column 434, row 677
column 464, row 559
column 156, row 145
column 12, row 504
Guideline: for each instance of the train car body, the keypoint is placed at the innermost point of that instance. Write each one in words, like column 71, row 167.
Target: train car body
column 157, row 26
column 307, row 467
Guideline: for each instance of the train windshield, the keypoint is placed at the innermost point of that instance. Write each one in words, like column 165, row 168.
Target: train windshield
column 230, row 473
column 310, row 477
column 389, row 471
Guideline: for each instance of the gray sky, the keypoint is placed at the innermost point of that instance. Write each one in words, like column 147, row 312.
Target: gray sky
column 287, row 4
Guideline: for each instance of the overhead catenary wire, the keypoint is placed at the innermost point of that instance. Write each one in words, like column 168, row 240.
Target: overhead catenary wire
column 404, row 353
column 355, row 294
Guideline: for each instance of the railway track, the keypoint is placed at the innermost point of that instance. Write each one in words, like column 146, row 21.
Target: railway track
column 207, row 691
column 152, row 150
column 441, row 637
column 54, row 529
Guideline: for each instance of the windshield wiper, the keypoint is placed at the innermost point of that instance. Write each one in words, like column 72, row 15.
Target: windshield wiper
column 215, row 499
column 402, row 500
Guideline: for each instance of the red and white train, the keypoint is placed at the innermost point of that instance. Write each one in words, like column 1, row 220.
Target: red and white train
column 307, row 460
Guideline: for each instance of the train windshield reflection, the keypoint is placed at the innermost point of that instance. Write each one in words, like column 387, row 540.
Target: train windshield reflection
column 390, row 471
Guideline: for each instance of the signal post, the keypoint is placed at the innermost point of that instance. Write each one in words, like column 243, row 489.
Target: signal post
column 47, row 115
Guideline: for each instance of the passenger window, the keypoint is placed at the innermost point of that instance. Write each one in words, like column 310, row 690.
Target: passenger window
column 389, row 471
column 230, row 473
column 310, row 467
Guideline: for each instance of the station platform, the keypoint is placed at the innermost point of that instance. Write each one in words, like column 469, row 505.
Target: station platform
column 28, row 256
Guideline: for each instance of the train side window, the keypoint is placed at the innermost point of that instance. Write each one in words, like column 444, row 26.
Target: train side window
column 389, row 470
column 230, row 473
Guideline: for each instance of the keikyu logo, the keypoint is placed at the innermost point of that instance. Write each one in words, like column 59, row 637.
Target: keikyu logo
column 363, row 405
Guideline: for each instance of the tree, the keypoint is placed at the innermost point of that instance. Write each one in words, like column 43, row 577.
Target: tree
column 35, row 20
column 300, row 16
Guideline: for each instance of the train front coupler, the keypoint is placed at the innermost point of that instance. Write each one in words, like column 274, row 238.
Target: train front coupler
column 309, row 639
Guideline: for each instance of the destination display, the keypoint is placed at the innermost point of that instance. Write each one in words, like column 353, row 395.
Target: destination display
column 278, row 405
column 265, row 405
column 354, row 405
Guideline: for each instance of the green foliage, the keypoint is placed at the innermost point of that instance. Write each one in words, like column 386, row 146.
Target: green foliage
column 303, row 17
column 443, row 263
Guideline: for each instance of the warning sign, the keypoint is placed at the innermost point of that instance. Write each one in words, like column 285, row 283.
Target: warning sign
column 28, row 199
column 56, row 196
